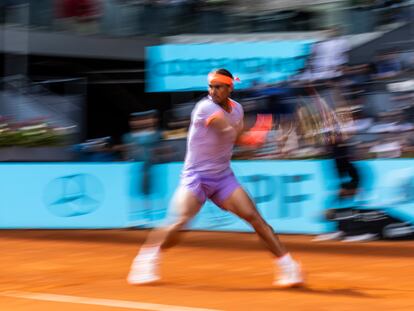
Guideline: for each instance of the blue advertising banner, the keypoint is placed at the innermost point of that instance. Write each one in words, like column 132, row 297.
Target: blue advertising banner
column 291, row 195
column 389, row 185
column 184, row 67
column 64, row 195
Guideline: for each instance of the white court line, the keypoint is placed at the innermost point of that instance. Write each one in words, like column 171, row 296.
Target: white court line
column 100, row 302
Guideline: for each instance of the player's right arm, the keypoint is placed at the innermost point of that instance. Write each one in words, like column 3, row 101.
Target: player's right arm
column 218, row 122
column 211, row 116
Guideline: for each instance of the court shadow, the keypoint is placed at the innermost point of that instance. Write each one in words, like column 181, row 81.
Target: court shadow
column 347, row 292
column 344, row 292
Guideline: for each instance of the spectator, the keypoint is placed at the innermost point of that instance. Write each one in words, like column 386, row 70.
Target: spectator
column 140, row 144
column 95, row 150
column 386, row 65
column 79, row 15
column 143, row 136
column 329, row 57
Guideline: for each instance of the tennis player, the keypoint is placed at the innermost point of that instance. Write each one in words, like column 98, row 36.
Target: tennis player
column 216, row 125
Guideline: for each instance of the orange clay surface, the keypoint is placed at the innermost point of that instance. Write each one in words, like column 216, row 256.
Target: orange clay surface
column 207, row 270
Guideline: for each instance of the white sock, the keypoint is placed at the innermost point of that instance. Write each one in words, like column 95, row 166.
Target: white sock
column 285, row 260
column 149, row 252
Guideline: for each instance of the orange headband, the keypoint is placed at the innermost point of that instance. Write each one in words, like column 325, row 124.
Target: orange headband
column 216, row 77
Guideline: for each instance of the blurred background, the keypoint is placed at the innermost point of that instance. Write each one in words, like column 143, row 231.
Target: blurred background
column 75, row 70
column 115, row 81
column 95, row 103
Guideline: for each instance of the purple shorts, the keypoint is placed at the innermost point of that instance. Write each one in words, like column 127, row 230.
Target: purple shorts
column 217, row 187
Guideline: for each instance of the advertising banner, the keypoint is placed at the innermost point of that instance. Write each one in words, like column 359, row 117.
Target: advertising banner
column 184, row 67
column 291, row 195
column 59, row 196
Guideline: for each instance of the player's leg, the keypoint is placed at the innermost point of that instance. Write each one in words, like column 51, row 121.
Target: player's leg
column 241, row 205
column 184, row 206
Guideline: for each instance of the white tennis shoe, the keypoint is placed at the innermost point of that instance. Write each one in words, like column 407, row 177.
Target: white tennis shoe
column 144, row 270
column 290, row 275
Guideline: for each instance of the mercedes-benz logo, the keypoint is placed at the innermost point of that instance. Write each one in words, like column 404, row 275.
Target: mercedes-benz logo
column 74, row 195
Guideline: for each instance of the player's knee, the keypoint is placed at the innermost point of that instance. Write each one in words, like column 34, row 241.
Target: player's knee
column 179, row 223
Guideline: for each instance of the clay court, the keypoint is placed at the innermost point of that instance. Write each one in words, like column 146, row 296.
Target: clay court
column 86, row 270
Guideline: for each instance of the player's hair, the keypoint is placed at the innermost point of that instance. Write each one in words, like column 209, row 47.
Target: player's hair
column 223, row 72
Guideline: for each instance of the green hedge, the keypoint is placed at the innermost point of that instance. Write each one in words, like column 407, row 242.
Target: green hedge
column 31, row 136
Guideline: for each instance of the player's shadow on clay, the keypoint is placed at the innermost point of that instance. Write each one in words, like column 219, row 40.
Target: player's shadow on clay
column 347, row 292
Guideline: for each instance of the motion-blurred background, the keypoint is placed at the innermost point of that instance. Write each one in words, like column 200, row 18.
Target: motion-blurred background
column 114, row 81
column 74, row 70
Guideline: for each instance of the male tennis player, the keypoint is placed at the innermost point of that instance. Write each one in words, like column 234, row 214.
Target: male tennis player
column 216, row 125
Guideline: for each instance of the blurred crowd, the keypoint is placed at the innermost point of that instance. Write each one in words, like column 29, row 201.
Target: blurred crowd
column 371, row 104
column 171, row 17
column 369, row 107
column 329, row 109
